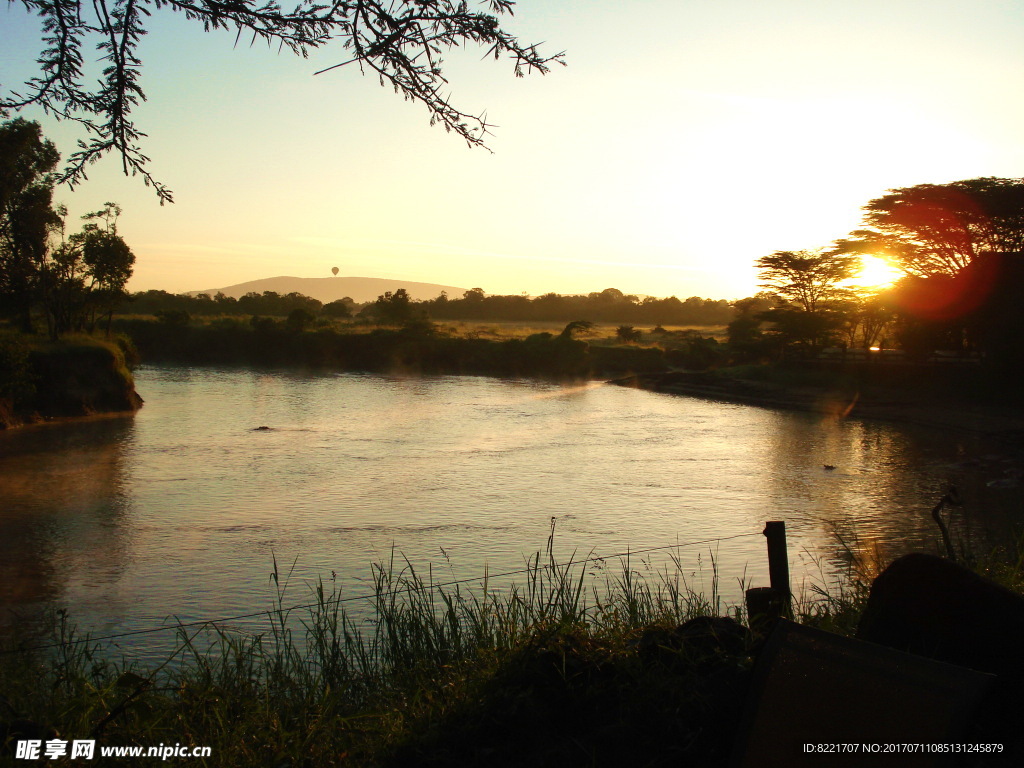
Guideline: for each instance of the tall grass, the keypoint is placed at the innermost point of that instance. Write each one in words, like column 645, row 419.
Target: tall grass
column 319, row 686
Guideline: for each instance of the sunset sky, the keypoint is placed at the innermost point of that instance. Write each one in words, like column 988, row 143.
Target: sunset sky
column 683, row 141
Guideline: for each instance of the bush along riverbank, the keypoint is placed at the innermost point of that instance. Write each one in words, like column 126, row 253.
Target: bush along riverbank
column 417, row 348
column 631, row 669
column 77, row 376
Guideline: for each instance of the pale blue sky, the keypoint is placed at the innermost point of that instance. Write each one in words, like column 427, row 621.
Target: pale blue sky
column 683, row 141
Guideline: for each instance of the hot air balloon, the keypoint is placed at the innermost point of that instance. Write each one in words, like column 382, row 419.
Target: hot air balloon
column 334, row 271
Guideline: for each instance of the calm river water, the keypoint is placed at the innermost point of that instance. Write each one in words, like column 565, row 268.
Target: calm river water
column 181, row 510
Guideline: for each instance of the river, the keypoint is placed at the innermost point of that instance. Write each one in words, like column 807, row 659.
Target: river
column 181, row 510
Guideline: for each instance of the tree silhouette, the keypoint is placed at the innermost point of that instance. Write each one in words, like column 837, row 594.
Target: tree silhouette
column 73, row 278
column 628, row 334
column 938, row 229
column 395, row 308
column 27, row 217
column 806, row 278
column 85, row 274
column 808, row 285
column 574, row 327
column 402, row 42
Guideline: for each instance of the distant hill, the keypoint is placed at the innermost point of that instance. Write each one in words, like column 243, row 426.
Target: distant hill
column 327, row 289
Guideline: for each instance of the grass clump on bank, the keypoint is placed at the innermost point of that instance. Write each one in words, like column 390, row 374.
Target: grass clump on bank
column 77, row 375
column 558, row 668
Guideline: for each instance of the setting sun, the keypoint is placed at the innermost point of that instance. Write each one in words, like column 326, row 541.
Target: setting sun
column 875, row 272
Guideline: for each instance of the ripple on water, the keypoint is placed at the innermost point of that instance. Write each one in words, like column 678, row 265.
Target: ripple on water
column 183, row 509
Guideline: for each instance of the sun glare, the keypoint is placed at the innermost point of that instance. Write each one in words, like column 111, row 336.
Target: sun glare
column 875, row 272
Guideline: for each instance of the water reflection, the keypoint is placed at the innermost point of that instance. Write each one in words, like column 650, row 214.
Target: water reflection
column 63, row 519
column 182, row 510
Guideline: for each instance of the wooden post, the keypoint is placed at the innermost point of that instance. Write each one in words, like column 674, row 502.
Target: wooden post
column 764, row 605
column 778, row 560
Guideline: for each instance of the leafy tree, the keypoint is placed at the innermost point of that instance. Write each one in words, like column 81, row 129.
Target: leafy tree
column 262, row 325
column 108, row 261
column 612, row 296
column 695, row 353
column 73, row 278
column 223, row 303
column 296, row 300
column 743, row 333
column 808, row 284
column 938, row 229
column 85, row 274
column 401, row 42
column 395, row 308
column 27, row 217
column 273, row 303
column 807, row 278
column 339, row 308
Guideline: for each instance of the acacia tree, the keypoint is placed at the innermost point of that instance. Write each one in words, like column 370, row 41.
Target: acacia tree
column 808, row 285
column 807, row 278
column 938, row 229
column 402, row 42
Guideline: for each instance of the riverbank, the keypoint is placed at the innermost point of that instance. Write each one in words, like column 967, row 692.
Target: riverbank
column 45, row 381
column 548, row 673
column 925, row 403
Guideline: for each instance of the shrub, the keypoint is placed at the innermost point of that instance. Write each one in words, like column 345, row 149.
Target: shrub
column 17, row 383
column 628, row 334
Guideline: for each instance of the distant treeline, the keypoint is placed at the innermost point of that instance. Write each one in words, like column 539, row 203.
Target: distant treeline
column 415, row 349
column 610, row 306
column 267, row 303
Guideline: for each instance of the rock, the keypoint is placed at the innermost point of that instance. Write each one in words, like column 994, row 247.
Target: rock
column 935, row 608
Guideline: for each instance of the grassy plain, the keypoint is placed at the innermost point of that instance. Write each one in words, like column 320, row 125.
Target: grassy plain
column 601, row 333
column 496, row 330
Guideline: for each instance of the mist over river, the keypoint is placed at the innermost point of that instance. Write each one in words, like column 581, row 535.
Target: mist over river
column 181, row 510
